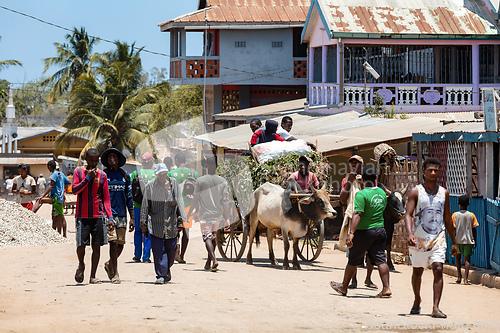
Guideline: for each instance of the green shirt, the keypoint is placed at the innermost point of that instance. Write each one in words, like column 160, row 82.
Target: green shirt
column 147, row 175
column 371, row 201
column 181, row 175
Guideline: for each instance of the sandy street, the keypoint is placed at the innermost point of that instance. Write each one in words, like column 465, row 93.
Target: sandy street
column 38, row 293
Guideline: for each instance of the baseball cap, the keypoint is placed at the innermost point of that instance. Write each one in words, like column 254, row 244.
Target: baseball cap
column 22, row 166
column 147, row 157
column 160, row 167
column 357, row 158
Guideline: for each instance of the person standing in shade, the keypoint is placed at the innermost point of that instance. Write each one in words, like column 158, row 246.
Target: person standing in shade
column 162, row 215
column 92, row 208
column 367, row 234
column 427, row 217
column 25, row 186
column 465, row 224
column 57, row 185
column 210, row 202
column 142, row 244
column 40, row 183
column 120, row 192
column 181, row 173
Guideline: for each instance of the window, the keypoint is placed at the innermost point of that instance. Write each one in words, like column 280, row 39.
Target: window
column 489, row 67
column 277, row 44
column 299, row 49
column 317, row 65
column 331, row 64
column 240, row 44
column 49, row 138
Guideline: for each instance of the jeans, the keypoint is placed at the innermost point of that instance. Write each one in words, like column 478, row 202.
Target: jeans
column 164, row 254
column 139, row 239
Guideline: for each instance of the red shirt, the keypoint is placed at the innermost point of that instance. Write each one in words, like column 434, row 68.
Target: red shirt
column 255, row 137
column 304, row 182
column 92, row 195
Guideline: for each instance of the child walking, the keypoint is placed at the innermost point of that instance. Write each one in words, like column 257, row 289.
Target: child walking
column 465, row 224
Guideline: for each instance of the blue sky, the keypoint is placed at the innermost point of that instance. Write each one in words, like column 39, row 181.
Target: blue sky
column 29, row 41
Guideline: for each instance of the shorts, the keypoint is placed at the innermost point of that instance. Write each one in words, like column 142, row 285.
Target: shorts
column 87, row 227
column 28, row 205
column 371, row 241
column 189, row 222
column 119, row 231
column 209, row 230
column 57, row 207
column 423, row 259
column 465, row 249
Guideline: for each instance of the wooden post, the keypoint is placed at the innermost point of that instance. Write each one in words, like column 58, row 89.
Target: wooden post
column 489, row 170
column 468, row 165
column 419, row 162
column 220, row 155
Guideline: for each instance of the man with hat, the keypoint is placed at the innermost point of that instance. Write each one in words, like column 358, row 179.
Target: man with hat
column 351, row 185
column 25, row 186
column 145, row 175
column 120, row 193
column 303, row 177
column 162, row 215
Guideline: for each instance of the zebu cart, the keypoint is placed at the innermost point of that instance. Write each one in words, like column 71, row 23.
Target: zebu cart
column 232, row 241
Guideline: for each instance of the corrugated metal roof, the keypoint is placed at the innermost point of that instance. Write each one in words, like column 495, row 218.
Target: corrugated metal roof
column 247, row 11
column 336, row 133
column 421, row 17
column 263, row 111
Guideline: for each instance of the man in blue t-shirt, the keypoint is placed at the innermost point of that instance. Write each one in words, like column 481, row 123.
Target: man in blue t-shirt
column 57, row 185
column 120, row 193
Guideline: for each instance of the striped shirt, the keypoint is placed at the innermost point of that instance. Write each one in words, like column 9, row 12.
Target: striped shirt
column 92, row 195
column 160, row 209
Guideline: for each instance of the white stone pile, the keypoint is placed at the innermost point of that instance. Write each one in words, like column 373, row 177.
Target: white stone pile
column 21, row 227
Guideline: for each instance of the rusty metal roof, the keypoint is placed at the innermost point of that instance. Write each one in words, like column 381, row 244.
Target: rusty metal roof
column 244, row 12
column 390, row 17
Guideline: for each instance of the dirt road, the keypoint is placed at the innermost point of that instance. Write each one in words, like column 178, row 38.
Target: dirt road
column 38, row 293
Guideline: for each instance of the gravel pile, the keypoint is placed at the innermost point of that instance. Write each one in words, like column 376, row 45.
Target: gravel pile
column 21, row 227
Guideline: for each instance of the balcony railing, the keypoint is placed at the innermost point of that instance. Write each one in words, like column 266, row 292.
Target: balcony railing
column 394, row 94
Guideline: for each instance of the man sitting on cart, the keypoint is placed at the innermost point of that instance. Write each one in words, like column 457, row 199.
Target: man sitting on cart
column 304, row 177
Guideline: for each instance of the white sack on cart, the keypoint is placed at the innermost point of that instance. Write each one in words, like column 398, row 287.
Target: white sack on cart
column 270, row 150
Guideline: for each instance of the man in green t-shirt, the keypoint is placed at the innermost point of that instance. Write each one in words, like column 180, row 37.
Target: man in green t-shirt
column 147, row 174
column 181, row 173
column 367, row 234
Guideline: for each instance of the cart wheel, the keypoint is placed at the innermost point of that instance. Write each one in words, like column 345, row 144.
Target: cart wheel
column 311, row 244
column 231, row 243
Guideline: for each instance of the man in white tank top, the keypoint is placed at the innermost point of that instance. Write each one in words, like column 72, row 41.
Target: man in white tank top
column 427, row 217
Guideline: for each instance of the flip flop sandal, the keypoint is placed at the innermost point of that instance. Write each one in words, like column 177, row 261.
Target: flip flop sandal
column 181, row 261
column 439, row 314
column 415, row 310
column 79, row 275
column 116, row 279
column 95, row 281
column 214, row 267
column 352, row 286
column 380, row 295
column 336, row 286
column 106, row 268
column 371, row 285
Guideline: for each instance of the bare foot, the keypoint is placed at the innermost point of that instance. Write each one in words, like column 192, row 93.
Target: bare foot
column 207, row 265
column 459, row 280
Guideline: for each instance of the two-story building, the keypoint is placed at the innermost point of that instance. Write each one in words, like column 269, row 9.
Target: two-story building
column 252, row 52
column 432, row 55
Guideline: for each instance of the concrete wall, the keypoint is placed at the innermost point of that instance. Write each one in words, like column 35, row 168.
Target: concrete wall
column 258, row 56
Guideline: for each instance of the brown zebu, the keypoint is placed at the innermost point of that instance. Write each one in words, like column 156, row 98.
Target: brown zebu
column 273, row 208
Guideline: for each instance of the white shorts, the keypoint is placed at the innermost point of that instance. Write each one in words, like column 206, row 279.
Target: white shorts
column 424, row 259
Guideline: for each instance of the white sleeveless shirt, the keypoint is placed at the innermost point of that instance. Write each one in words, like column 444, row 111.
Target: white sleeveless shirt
column 428, row 222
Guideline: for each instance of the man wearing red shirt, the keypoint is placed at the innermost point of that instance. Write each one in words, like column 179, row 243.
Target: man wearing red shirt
column 303, row 177
column 93, row 206
column 267, row 134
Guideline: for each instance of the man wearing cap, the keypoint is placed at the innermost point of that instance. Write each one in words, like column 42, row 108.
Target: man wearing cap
column 120, row 193
column 303, row 177
column 57, row 185
column 351, row 185
column 40, row 183
column 145, row 175
column 267, row 134
column 162, row 215
column 24, row 186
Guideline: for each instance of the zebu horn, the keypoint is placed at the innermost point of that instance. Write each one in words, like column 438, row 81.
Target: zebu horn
column 403, row 192
column 324, row 186
column 313, row 190
column 386, row 190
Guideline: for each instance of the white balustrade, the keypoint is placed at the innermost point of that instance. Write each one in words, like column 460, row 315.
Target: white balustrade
column 408, row 95
column 458, row 95
column 323, row 94
column 354, row 95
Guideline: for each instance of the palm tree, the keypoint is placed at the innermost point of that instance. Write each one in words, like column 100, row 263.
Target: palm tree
column 107, row 106
column 3, row 65
column 74, row 58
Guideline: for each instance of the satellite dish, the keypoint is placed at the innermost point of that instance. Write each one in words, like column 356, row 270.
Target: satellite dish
column 14, row 135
